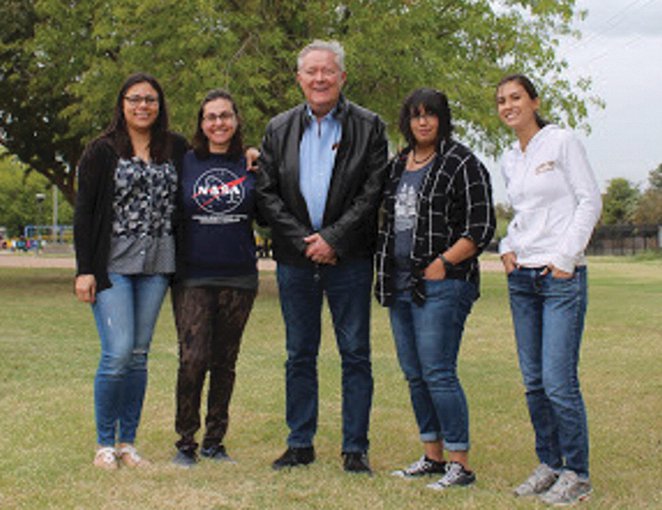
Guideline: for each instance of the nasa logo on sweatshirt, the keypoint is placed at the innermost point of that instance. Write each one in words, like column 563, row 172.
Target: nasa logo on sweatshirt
column 218, row 191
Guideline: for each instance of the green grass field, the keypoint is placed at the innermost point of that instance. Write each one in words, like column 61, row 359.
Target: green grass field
column 49, row 351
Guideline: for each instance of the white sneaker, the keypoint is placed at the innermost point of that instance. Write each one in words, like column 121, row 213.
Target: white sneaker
column 540, row 481
column 568, row 490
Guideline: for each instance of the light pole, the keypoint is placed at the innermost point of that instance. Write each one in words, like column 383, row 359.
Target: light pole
column 40, row 197
column 55, row 238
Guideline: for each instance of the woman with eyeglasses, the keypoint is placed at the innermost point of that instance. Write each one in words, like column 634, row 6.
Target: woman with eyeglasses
column 437, row 218
column 125, row 254
column 556, row 201
column 216, row 280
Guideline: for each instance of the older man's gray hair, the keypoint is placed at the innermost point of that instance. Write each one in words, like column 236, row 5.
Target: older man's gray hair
column 333, row 46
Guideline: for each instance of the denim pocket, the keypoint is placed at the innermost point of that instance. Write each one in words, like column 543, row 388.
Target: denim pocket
column 434, row 287
column 557, row 279
column 562, row 280
column 457, row 291
column 517, row 271
column 563, row 286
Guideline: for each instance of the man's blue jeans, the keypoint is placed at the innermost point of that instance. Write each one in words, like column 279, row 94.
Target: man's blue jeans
column 548, row 316
column 347, row 287
column 427, row 339
column 125, row 315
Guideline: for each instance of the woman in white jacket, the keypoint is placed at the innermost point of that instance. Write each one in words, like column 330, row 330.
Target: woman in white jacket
column 557, row 203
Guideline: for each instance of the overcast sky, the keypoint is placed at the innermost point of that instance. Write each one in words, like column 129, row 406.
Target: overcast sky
column 621, row 50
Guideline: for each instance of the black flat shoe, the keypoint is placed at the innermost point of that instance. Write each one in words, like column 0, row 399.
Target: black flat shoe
column 356, row 462
column 294, row 457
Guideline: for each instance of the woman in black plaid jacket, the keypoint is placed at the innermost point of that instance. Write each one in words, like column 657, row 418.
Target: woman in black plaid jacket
column 437, row 217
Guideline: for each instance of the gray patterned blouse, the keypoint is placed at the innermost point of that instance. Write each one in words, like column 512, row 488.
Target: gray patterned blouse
column 144, row 200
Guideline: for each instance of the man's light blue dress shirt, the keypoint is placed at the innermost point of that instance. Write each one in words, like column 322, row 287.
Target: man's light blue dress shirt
column 317, row 155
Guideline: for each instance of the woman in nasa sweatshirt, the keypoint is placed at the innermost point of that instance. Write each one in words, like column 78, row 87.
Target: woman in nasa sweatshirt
column 216, row 279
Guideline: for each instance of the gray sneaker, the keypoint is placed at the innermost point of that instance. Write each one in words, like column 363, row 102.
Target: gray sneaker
column 456, row 476
column 540, row 481
column 217, row 453
column 568, row 490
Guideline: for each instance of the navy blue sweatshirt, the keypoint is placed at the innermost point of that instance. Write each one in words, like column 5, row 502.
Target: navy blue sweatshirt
column 218, row 207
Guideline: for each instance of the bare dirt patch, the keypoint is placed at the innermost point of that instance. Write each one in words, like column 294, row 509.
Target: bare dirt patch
column 34, row 260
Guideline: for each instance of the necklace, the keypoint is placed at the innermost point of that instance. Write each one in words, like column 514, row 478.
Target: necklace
column 419, row 161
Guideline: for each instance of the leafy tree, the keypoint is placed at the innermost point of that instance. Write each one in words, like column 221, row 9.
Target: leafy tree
column 649, row 207
column 619, row 202
column 18, row 204
column 504, row 213
column 33, row 126
column 62, row 62
column 655, row 178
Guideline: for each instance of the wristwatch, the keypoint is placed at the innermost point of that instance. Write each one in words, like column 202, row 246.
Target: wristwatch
column 447, row 265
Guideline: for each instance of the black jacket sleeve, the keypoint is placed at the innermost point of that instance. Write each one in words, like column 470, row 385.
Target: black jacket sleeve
column 91, row 198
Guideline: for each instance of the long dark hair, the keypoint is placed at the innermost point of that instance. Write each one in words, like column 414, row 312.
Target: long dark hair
column 432, row 101
column 200, row 142
column 159, row 142
column 530, row 89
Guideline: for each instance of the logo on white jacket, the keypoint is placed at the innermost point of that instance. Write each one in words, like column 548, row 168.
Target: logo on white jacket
column 545, row 167
column 218, row 191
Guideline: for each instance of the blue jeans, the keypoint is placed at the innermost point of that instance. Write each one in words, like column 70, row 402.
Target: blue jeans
column 347, row 287
column 125, row 315
column 548, row 316
column 427, row 339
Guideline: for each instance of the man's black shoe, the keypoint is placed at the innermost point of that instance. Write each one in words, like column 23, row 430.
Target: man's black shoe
column 356, row 462
column 294, row 457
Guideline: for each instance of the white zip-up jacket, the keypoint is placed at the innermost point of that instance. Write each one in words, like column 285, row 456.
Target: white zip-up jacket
column 555, row 198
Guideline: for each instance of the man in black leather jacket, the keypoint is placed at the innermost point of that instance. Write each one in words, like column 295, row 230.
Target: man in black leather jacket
column 322, row 167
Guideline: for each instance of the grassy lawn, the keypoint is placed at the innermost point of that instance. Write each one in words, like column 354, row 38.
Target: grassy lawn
column 48, row 355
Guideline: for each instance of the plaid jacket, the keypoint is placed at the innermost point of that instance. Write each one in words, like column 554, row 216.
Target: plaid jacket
column 455, row 201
